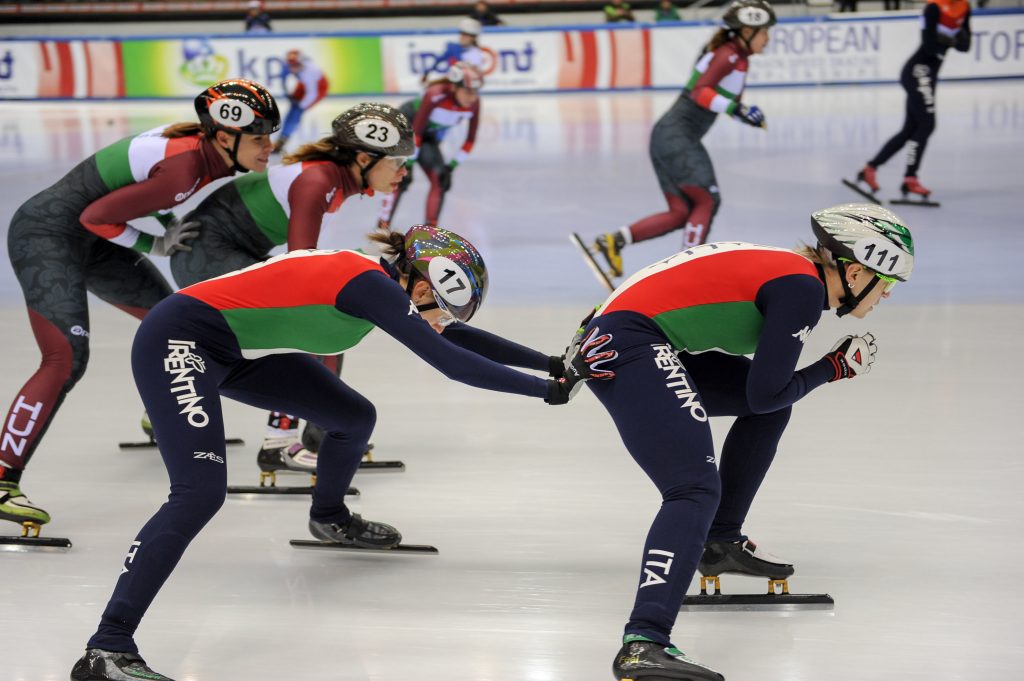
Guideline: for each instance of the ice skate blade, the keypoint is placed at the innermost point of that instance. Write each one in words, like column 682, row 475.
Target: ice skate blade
column 758, row 602
column 381, row 466
column 588, row 258
column 152, row 443
column 867, row 195
column 924, row 203
column 283, row 491
column 9, row 543
column 420, row 549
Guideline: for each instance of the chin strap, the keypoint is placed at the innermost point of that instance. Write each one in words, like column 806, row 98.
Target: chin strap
column 235, row 166
column 849, row 302
column 364, row 172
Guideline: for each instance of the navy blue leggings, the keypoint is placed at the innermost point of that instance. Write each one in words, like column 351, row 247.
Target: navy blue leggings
column 183, row 358
column 661, row 405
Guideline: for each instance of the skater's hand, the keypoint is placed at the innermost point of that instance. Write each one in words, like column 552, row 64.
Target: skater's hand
column 583, row 361
column 852, row 356
column 173, row 240
column 556, row 366
column 444, row 177
column 750, row 115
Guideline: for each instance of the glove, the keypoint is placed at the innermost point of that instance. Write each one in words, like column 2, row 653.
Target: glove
column 852, row 356
column 582, row 362
column 174, row 238
column 444, row 177
column 556, row 366
column 750, row 115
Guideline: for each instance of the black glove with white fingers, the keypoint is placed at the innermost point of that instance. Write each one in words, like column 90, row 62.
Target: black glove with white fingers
column 583, row 362
column 852, row 356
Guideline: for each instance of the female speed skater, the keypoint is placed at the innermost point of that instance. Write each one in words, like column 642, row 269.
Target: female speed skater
column 311, row 87
column 74, row 238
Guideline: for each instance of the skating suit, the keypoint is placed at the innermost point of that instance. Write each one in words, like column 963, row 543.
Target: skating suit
column 681, row 162
column 682, row 327
column 944, row 24
column 244, row 336
column 72, row 238
column 432, row 116
column 311, row 88
column 244, row 219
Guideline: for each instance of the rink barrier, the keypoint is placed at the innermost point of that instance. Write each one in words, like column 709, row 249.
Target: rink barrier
column 831, row 50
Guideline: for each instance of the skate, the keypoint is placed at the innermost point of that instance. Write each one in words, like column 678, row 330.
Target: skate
column 914, row 194
column 313, row 435
column 147, row 428
column 17, row 508
column 288, row 455
column 359, row 535
column 106, row 665
column 867, row 176
column 744, row 558
column 641, row 659
column 588, row 257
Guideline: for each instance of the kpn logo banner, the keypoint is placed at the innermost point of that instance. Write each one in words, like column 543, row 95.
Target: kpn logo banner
column 182, row 67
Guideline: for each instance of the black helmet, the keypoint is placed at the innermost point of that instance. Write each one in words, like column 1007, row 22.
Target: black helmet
column 238, row 106
column 378, row 129
column 752, row 13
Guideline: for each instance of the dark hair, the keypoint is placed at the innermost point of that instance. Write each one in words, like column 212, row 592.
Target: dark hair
column 325, row 149
column 392, row 247
column 177, row 130
column 721, row 37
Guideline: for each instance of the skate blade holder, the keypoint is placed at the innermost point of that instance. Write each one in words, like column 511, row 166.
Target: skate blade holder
column 413, row 549
column 924, row 203
column 272, row 489
column 777, row 598
column 30, row 539
column 588, row 253
column 368, row 464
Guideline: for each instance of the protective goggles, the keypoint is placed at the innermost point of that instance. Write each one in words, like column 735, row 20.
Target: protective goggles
column 396, row 161
column 888, row 283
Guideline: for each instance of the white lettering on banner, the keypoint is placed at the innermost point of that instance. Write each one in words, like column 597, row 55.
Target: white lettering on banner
column 131, row 556
column 667, row 360
column 180, row 363
column 651, row 577
column 14, row 439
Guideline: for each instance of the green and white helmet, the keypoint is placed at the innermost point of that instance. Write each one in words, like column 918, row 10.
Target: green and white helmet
column 868, row 234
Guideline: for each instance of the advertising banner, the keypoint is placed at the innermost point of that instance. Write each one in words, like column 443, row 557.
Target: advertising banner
column 34, row 69
column 179, row 68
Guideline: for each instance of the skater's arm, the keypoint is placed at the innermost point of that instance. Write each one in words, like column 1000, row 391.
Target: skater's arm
column 431, row 98
column 963, row 36
column 309, row 76
column 496, row 348
column 467, row 146
column 379, row 299
column 707, row 92
column 791, row 307
column 930, row 31
column 308, row 200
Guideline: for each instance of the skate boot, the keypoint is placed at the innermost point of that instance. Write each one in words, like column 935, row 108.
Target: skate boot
column 744, row 558
column 366, row 534
column 912, row 186
column 283, row 454
column 147, row 427
column 867, row 175
column 16, row 507
column 641, row 659
column 105, row 665
column 610, row 246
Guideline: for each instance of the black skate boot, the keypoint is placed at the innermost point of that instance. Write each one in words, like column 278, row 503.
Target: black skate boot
column 742, row 557
column 366, row 534
column 105, row 665
column 283, row 454
column 641, row 659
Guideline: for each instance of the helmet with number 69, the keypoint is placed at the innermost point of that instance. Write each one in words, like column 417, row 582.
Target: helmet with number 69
column 378, row 129
column 451, row 265
column 868, row 234
column 238, row 106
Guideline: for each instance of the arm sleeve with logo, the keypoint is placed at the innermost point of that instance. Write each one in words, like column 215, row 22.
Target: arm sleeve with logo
column 379, row 299
column 170, row 182
column 791, row 307
column 494, row 347
column 707, row 92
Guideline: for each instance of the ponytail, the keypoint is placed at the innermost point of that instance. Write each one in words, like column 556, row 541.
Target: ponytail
column 177, row 130
column 721, row 37
column 325, row 149
column 392, row 247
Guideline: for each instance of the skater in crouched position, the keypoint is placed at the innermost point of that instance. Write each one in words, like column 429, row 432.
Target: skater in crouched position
column 243, row 220
column 244, row 336
column 681, row 162
column 74, row 238
column 944, row 24
column 681, row 328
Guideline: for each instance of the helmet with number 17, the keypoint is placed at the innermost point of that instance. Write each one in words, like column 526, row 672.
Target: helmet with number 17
column 238, row 106
column 451, row 265
column 868, row 234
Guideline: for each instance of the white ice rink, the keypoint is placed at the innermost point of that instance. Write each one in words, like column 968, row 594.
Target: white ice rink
column 898, row 493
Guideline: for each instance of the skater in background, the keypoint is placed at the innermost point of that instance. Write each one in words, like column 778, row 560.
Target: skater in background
column 666, row 11
column 310, row 88
column 485, row 14
column 257, row 20
column 680, row 160
column 681, row 328
column 445, row 103
column 243, row 220
column 74, row 238
column 244, row 336
column 944, row 24
column 465, row 50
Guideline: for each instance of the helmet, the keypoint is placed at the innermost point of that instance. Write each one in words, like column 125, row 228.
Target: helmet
column 752, row 13
column 451, row 265
column 379, row 129
column 238, row 106
column 868, row 234
column 466, row 75
column 293, row 57
column 470, row 26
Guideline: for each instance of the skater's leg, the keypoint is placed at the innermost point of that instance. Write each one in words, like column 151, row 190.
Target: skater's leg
column 705, row 202
column 124, row 278
column 433, row 164
column 658, row 224
column 921, row 107
column 657, row 409
column 896, row 142
column 177, row 380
